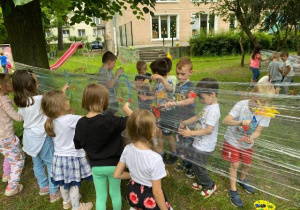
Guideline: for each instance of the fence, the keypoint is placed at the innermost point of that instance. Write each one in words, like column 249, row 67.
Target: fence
column 126, row 36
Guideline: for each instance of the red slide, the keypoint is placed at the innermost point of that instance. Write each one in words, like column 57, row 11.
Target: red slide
column 74, row 46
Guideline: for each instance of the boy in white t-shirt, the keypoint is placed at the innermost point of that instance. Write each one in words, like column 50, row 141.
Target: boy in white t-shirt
column 288, row 71
column 244, row 128
column 205, row 134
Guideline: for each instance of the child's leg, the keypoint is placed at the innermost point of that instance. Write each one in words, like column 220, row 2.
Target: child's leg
column 233, row 175
column 39, row 171
column 100, row 182
column 160, row 141
column 74, row 194
column 6, row 167
column 172, row 143
column 65, row 194
column 244, row 171
column 114, row 188
column 46, row 155
column 203, row 177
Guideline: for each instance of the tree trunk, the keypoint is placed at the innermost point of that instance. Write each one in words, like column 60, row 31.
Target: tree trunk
column 25, row 32
column 60, row 45
column 242, row 50
column 297, row 40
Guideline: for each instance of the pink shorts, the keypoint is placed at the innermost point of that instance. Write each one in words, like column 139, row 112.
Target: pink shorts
column 233, row 154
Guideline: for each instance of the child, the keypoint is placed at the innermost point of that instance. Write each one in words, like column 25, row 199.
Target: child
column 255, row 59
column 143, row 80
column 275, row 72
column 107, row 79
column 99, row 134
column 69, row 165
column 184, row 109
column 205, row 134
column 14, row 157
column 163, row 94
column 35, row 142
column 3, row 60
column 244, row 127
column 288, row 71
column 146, row 167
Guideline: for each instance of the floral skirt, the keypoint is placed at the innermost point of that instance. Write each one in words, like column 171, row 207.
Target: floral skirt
column 140, row 197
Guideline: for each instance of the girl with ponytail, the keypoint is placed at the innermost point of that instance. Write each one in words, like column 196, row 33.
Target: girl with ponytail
column 69, row 165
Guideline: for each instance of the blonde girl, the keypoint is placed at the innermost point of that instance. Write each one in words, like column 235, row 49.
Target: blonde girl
column 99, row 134
column 145, row 165
column 9, row 143
column 70, row 165
column 35, row 141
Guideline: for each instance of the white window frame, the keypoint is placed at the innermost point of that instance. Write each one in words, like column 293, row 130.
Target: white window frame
column 168, row 29
column 96, row 20
column 80, row 32
column 67, row 34
column 167, row 1
column 207, row 22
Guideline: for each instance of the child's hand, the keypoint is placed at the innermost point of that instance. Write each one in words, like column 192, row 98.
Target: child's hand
column 119, row 72
column 249, row 140
column 126, row 105
column 65, row 87
column 246, row 122
column 156, row 77
column 170, row 104
column 185, row 132
column 181, row 127
column 73, row 110
column 143, row 97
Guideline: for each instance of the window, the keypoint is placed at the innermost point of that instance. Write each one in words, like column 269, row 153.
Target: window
column 232, row 22
column 96, row 20
column 81, row 32
column 164, row 26
column 97, row 32
column 66, row 33
column 203, row 22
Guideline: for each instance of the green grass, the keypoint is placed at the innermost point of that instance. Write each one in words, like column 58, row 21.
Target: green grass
column 177, row 186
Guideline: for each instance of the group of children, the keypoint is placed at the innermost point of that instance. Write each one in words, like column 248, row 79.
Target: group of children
column 280, row 73
column 60, row 140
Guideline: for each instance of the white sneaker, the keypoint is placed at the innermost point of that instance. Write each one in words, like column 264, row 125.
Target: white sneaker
column 16, row 190
column 207, row 193
column 85, row 206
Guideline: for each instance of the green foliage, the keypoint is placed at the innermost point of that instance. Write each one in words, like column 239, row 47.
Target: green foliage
column 3, row 33
column 228, row 43
column 77, row 38
column 98, row 38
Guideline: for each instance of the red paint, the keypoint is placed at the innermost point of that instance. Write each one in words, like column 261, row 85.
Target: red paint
column 192, row 95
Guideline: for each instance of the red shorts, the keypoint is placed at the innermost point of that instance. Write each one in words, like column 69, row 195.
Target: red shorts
column 233, row 154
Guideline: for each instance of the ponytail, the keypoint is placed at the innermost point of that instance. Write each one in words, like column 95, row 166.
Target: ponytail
column 49, row 127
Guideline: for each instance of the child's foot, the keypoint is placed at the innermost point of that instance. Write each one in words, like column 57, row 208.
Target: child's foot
column 190, row 173
column 197, row 186
column 235, row 199
column 67, row 205
column 208, row 192
column 5, row 178
column 171, row 160
column 44, row 191
column 85, row 206
column 55, row 197
column 180, row 167
column 12, row 191
column 245, row 184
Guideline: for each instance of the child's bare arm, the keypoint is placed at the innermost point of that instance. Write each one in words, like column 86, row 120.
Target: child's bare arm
column 184, row 102
column 126, row 109
column 288, row 69
column 65, row 87
column 120, row 172
column 229, row 120
column 203, row 132
column 158, row 194
column 167, row 85
column 190, row 120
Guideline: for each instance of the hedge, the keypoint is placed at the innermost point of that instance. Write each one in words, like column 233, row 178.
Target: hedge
column 228, row 43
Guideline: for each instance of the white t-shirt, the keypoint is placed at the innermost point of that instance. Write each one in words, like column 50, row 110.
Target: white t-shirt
column 34, row 132
column 64, row 129
column 209, row 115
column 144, row 165
column 240, row 112
column 291, row 72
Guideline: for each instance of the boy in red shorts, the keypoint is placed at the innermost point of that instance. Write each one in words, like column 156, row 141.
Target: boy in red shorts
column 244, row 127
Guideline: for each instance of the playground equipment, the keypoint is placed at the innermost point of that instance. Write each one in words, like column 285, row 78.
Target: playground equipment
column 68, row 53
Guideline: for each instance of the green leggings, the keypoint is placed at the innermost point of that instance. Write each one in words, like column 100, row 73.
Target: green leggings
column 100, row 176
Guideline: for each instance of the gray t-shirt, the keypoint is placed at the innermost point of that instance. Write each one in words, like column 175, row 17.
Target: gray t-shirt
column 144, row 166
column 239, row 112
column 273, row 69
column 105, row 76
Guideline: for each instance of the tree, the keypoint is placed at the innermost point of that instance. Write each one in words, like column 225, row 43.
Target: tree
column 23, row 22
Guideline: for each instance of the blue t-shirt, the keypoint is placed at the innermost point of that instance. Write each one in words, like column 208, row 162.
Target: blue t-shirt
column 181, row 93
column 3, row 60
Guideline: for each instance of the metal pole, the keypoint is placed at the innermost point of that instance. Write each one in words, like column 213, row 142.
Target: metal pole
column 131, row 33
column 126, row 35
column 172, row 32
column 121, row 38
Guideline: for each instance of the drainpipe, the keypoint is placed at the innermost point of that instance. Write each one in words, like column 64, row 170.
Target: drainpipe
column 115, row 34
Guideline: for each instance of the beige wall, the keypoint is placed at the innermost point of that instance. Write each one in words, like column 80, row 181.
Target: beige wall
column 184, row 9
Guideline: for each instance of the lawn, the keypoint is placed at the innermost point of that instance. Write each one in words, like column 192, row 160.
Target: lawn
column 271, row 172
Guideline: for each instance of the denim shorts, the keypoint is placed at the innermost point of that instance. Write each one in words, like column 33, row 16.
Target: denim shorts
column 255, row 72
